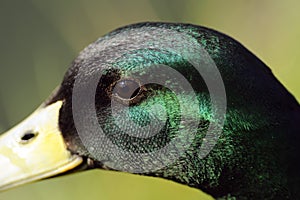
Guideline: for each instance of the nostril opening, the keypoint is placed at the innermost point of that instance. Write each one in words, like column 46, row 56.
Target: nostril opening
column 28, row 137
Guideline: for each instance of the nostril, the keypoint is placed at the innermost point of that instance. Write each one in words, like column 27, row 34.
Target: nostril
column 28, row 137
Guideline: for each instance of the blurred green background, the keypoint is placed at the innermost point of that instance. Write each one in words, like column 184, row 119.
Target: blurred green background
column 39, row 39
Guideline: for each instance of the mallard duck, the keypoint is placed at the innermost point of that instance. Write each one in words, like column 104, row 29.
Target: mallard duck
column 176, row 101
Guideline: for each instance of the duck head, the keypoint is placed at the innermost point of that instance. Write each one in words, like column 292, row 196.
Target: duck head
column 176, row 101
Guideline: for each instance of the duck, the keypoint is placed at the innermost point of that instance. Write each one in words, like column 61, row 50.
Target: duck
column 175, row 101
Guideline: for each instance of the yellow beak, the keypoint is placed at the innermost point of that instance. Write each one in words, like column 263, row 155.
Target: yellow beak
column 35, row 149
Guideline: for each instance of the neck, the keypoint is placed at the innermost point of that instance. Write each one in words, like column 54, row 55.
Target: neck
column 250, row 161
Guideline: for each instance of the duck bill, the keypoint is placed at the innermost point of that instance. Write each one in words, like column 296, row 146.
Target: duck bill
column 35, row 149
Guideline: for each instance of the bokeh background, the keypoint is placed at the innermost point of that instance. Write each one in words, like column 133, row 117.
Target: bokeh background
column 39, row 39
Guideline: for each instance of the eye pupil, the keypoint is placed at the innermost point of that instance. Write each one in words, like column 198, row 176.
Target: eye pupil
column 124, row 88
column 127, row 89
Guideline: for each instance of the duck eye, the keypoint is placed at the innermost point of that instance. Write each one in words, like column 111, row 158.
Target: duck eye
column 126, row 89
